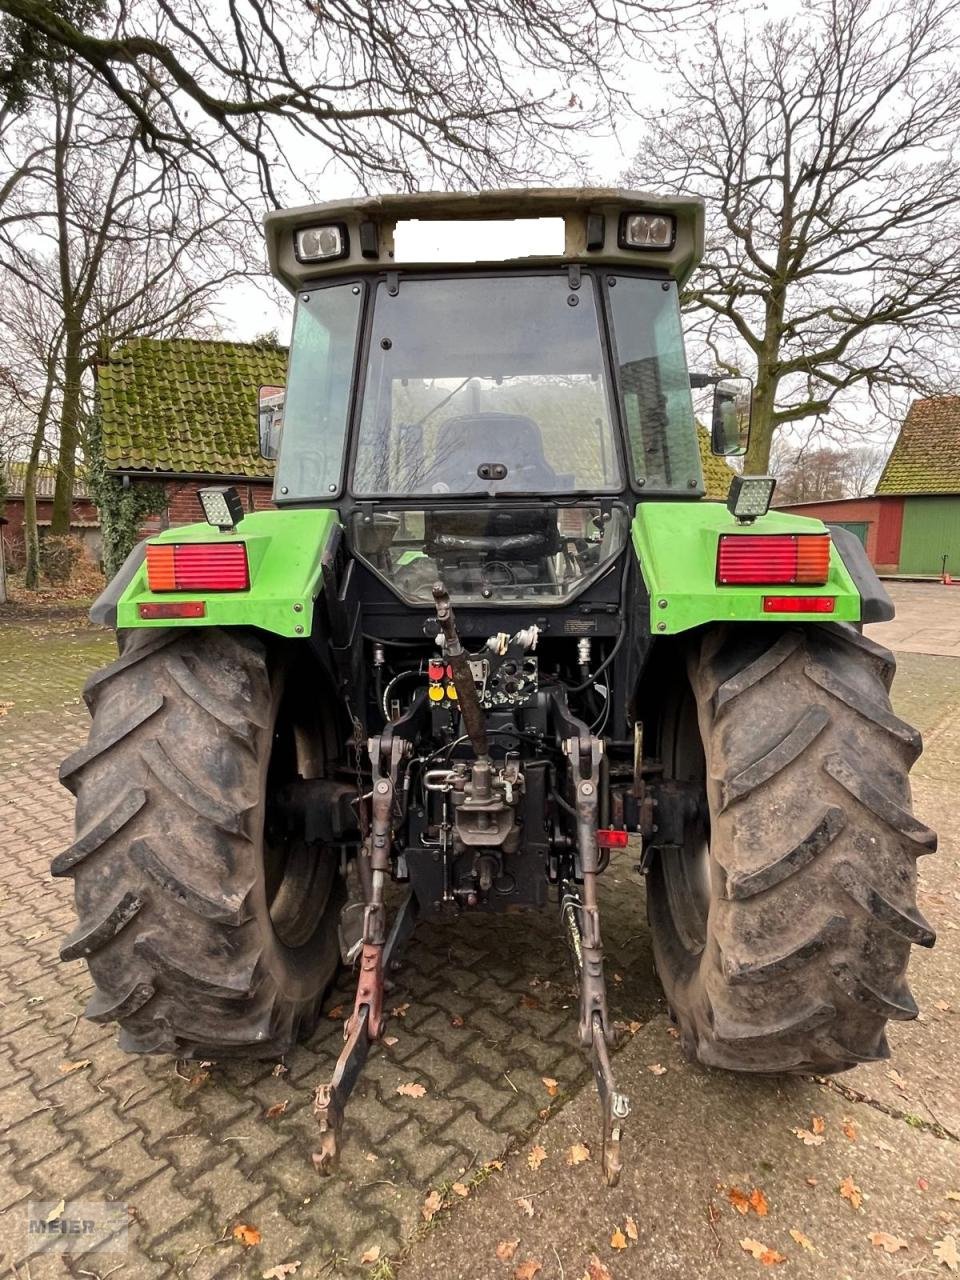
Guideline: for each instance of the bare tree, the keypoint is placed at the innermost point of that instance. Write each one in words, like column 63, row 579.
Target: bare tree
column 816, row 472
column 464, row 90
column 827, row 148
column 137, row 247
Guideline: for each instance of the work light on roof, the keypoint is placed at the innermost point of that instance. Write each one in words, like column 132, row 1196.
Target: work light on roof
column 221, row 506
column 320, row 244
column 749, row 497
column 647, row 230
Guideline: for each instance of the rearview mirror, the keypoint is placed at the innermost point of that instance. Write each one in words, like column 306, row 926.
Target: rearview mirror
column 270, row 420
column 732, row 404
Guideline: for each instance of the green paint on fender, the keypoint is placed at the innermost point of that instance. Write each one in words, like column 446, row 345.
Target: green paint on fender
column 676, row 543
column 284, row 554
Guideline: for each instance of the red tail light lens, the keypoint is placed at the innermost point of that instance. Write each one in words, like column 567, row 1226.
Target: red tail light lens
column 173, row 609
column 798, row 604
column 610, row 838
column 760, row 558
column 197, row 566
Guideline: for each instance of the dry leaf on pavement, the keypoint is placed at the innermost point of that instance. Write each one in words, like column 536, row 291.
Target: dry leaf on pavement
column 803, row 1241
column 370, row 1256
column 884, row 1146
column 411, row 1090
column 769, row 1257
column 456, row 1020
column 68, row 1068
column 897, row 1079
column 283, row 1269
column 551, row 1085
column 277, row 1109
column 945, row 1251
column 536, row 1157
column 850, row 1191
column 953, row 1195
column 525, row 1205
column 597, row 1270
column 460, row 1189
column 888, row 1243
column 656, row 1069
column 335, row 1013
column 631, row 1229
column 849, row 1129
column 739, row 1199
column 941, row 1005
column 618, row 1240
column 527, row 1270
column 433, row 1202
column 808, row 1138
column 758, row 1203
column 400, row 1011
column 506, row 1249
column 248, row 1236
column 279, row 1070
column 818, row 1124
column 578, row 1153
column 390, row 1041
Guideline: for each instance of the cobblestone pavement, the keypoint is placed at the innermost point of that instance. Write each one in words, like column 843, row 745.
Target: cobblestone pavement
column 482, row 1013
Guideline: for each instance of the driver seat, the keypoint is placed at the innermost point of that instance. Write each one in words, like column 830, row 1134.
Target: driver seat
column 464, row 443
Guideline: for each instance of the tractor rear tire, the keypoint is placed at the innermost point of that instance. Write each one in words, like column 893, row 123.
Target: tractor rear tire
column 204, row 937
column 783, row 925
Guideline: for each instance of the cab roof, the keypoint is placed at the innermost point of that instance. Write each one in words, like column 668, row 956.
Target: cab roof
column 592, row 223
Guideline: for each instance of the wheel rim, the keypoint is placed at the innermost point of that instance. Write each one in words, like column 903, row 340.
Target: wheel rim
column 686, row 868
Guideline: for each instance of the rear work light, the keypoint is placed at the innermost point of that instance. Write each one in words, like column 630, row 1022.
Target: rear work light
column 798, row 604
column 197, row 566
column 760, row 558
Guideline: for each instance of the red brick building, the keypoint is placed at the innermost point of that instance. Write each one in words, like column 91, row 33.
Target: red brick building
column 84, row 517
column 183, row 413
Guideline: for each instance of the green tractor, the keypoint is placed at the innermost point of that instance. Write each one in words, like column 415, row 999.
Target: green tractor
column 491, row 633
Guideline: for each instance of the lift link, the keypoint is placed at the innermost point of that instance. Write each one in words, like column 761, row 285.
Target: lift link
column 365, row 1024
column 581, row 918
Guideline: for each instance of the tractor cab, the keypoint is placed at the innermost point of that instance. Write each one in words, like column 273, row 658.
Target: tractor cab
column 488, row 423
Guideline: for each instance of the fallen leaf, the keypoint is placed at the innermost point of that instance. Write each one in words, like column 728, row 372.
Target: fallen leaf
column 283, row 1269
column 390, row 1041
column 506, row 1249
column 525, row 1205
column 953, row 1195
column 673, row 1033
column 400, row 1011
column 888, row 1243
column 527, row 1270
column 740, row 1200
column 849, row 1129
column 942, row 1006
column 198, row 1078
column 850, row 1191
column 803, row 1241
column 248, row 1236
column 631, row 1229
column 371, row 1157
column 431, row 1205
column 817, row 1124
column 57, row 1211
column 67, row 1068
column 945, row 1251
column 460, row 1189
column 578, row 1153
column 811, row 1182
column 411, row 1090
column 279, row 1070
column 656, row 1069
column 769, row 1257
column 536, row 1157
column 277, row 1109
column 758, row 1203
column 884, row 1146
column 493, row 1164
column 552, row 1086
column 809, row 1139
column 597, row 1270
column 370, row 1255
column 897, row 1079
column 922, row 1184
column 456, row 1020
column 618, row 1240
column 335, row 1013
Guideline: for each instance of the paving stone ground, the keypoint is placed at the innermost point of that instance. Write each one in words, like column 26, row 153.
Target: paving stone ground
column 192, row 1154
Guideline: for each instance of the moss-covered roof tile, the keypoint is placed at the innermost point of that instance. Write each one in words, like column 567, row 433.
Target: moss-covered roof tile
column 926, row 457
column 186, row 405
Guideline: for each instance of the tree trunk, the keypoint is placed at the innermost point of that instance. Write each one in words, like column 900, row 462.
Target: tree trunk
column 757, row 458
column 31, row 535
column 69, row 434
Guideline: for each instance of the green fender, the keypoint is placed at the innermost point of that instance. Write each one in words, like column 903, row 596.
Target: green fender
column 285, row 552
column 676, row 544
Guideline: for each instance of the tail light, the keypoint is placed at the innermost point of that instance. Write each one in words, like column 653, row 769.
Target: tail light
column 611, row 838
column 798, row 604
column 760, row 558
column 197, row 566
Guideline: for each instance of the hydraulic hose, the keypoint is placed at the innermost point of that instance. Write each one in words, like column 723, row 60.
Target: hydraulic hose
column 474, row 720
